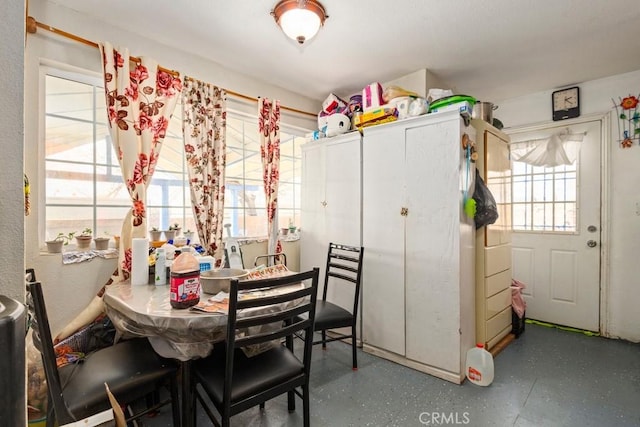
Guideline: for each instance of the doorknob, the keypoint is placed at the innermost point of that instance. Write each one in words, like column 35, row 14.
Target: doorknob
column 592, row 243
column 592, row 229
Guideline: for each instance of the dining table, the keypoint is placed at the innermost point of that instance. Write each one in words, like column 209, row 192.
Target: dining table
column 182, row 334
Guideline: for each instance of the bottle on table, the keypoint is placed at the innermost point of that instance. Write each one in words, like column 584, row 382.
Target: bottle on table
column 185, row 280
column 161, row 267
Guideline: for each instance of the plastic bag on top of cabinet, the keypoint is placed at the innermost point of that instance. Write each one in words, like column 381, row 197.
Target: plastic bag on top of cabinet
column 486, row 209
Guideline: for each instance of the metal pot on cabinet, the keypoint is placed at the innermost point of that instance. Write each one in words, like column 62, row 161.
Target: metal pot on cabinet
column 484, row 111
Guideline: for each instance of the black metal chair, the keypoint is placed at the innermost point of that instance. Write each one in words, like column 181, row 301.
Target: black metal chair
column 344, row 268
column 132, row 369
column 233, row 382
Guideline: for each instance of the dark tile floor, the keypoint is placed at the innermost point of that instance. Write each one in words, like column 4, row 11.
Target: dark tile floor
column 547, row 377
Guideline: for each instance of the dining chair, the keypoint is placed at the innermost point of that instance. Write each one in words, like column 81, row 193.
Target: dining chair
column 232, row 382
column 344, row 268
column 131, row 368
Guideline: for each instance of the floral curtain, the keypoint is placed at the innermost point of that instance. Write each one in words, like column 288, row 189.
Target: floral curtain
column 204, row 128
column 140, row 102
column 269, row 128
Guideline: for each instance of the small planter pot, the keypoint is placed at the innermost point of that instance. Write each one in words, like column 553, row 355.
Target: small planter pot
column 83, row 242
column 155, row 235
column 170, row 234
column 54, row 246
column 101, row 243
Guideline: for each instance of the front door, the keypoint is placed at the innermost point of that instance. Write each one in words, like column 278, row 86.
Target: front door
column 557, row 229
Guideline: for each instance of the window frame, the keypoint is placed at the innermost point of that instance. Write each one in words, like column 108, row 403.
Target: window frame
column 95, row 79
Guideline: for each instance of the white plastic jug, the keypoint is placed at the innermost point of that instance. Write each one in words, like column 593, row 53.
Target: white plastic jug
column 479, row 367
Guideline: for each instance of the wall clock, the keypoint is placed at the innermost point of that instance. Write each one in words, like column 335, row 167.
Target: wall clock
column 565, row 103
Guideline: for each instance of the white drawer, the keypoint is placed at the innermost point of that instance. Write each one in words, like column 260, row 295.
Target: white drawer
column 497, row 283
column 498, row 303
column 497, row 259
column 498, row 322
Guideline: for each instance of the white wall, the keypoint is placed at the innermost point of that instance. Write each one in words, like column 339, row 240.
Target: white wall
column 622, row 315
column 11, row 141
column 69, row 288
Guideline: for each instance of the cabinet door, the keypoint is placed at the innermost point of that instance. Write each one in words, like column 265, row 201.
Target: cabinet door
column 433, row 166
column 342, row 191
column 312, row 225
column 498, row 178
column 343, row 206
column 383, row 238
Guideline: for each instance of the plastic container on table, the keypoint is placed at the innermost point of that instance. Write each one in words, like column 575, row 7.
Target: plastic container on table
column 185, row 280
column 160, row 268
column 479, row 366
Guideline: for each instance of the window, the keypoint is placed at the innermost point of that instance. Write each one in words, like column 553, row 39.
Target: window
column 544, row 198
column 84, row 187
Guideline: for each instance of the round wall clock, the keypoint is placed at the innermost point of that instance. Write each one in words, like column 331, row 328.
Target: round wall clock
column 565, row 103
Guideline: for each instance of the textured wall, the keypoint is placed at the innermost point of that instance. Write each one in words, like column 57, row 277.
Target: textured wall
column 11, row 141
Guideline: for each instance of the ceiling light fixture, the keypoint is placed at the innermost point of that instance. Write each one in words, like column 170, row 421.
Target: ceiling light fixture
column 300, row 20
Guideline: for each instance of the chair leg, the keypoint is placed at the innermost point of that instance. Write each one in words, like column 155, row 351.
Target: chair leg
column 291, row 401
column 175, row 402
column 324, row 339
column 353, row 348
column 306, row 411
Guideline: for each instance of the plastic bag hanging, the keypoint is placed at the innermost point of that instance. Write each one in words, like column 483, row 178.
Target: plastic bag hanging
column 561, row 148
column 486, row 208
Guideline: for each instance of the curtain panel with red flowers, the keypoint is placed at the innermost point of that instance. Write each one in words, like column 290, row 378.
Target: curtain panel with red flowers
column 269, row 129
column 204, row 128
column 140, row 102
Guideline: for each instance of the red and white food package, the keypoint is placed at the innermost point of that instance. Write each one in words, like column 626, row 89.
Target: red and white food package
column 372, row 96
column 333, row 104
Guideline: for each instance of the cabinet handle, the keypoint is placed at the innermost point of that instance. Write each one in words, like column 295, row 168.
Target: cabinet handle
column 404, row 211
column 324, row 204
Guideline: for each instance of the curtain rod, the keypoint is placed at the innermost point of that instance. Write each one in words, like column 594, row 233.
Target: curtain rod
column 33, row 25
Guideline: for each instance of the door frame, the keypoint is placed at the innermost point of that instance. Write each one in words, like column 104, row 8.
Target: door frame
column 605, row 161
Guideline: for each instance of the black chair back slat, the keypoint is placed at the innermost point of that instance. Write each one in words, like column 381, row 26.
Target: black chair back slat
column 273, row 335
column 353, row 259
column 342, row 276
column 347, row 248
column 247, row 322
column 350, row 268
column 270, row 300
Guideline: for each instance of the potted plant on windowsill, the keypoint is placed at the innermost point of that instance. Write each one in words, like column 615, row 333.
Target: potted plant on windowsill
column 83, row 240
column 102, row 243
column 155, row 234
column 172, row 232
column 55, row 246
column 188, row 235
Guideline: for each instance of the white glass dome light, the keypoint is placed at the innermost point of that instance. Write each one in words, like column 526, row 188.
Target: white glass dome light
column 300, row 20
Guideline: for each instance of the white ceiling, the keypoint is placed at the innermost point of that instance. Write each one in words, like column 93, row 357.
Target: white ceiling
column 490, row 49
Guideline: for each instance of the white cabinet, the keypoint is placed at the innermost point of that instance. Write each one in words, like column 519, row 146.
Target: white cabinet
column 419, row 274
column 493, row 244
column 331, row 201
